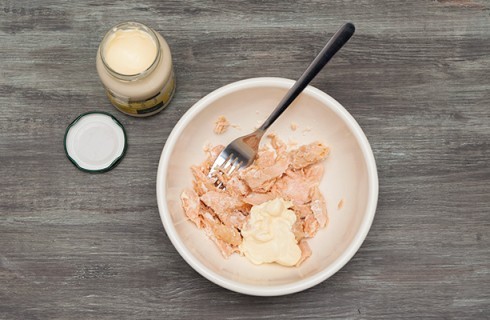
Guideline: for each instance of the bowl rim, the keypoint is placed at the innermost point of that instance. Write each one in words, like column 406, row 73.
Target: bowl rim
column 275, row 290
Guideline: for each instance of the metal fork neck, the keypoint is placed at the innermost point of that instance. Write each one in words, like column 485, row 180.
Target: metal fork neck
column 330, row 49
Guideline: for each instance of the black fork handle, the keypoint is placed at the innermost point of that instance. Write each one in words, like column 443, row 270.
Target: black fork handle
column 330, row 49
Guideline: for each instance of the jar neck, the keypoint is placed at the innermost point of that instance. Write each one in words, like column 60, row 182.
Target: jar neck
column 124, row 27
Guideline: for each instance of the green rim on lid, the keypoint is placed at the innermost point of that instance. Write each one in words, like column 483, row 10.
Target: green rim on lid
column 95, row 142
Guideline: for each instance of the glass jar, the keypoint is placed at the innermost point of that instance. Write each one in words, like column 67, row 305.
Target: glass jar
column 134, row 64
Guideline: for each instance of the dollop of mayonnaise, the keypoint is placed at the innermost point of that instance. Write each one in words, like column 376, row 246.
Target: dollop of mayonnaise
column 267, row 236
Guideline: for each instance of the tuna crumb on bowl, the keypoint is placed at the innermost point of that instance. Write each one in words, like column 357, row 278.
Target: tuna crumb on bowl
column 221, row 125
column 215, row 231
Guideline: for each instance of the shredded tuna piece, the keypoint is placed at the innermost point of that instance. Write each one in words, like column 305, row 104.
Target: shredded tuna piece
column 191, row 204
column 310, row 226
column 221, row 202
column 256, row 198
column 277, row 144
column 227, row 234
column 261, row 178
column 305, row 251
column 308, row 154
column 265, row 158
column 237, row 186
column 202, row 183
column 340, row 205
column 298, row 229
column 319, row 207
column 222, row 237
column 294, row 186
column 221, row 125
column 302, row 210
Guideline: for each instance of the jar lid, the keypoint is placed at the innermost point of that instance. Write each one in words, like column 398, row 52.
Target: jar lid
column 95, row 141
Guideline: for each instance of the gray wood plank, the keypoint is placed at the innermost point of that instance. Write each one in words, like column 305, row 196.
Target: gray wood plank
column 415, row 76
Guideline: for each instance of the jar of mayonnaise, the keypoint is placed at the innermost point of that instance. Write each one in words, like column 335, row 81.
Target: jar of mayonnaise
column 134, row 64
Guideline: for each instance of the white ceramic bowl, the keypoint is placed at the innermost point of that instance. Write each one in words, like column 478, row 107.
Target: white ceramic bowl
column 350, row 176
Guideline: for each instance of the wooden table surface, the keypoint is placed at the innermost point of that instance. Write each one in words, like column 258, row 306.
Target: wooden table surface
column 416, row 76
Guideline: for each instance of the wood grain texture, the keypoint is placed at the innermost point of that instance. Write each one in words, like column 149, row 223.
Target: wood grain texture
column 415, row 76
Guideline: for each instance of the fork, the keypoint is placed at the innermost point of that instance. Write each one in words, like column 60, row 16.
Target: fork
column 241, row 152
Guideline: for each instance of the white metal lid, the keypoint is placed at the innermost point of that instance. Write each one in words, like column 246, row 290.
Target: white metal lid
column 95, row 142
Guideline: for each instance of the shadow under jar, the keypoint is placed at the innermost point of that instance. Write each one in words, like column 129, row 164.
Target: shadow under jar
column 134, row 64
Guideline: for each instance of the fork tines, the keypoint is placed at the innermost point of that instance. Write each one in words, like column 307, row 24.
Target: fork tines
column 230, row 164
